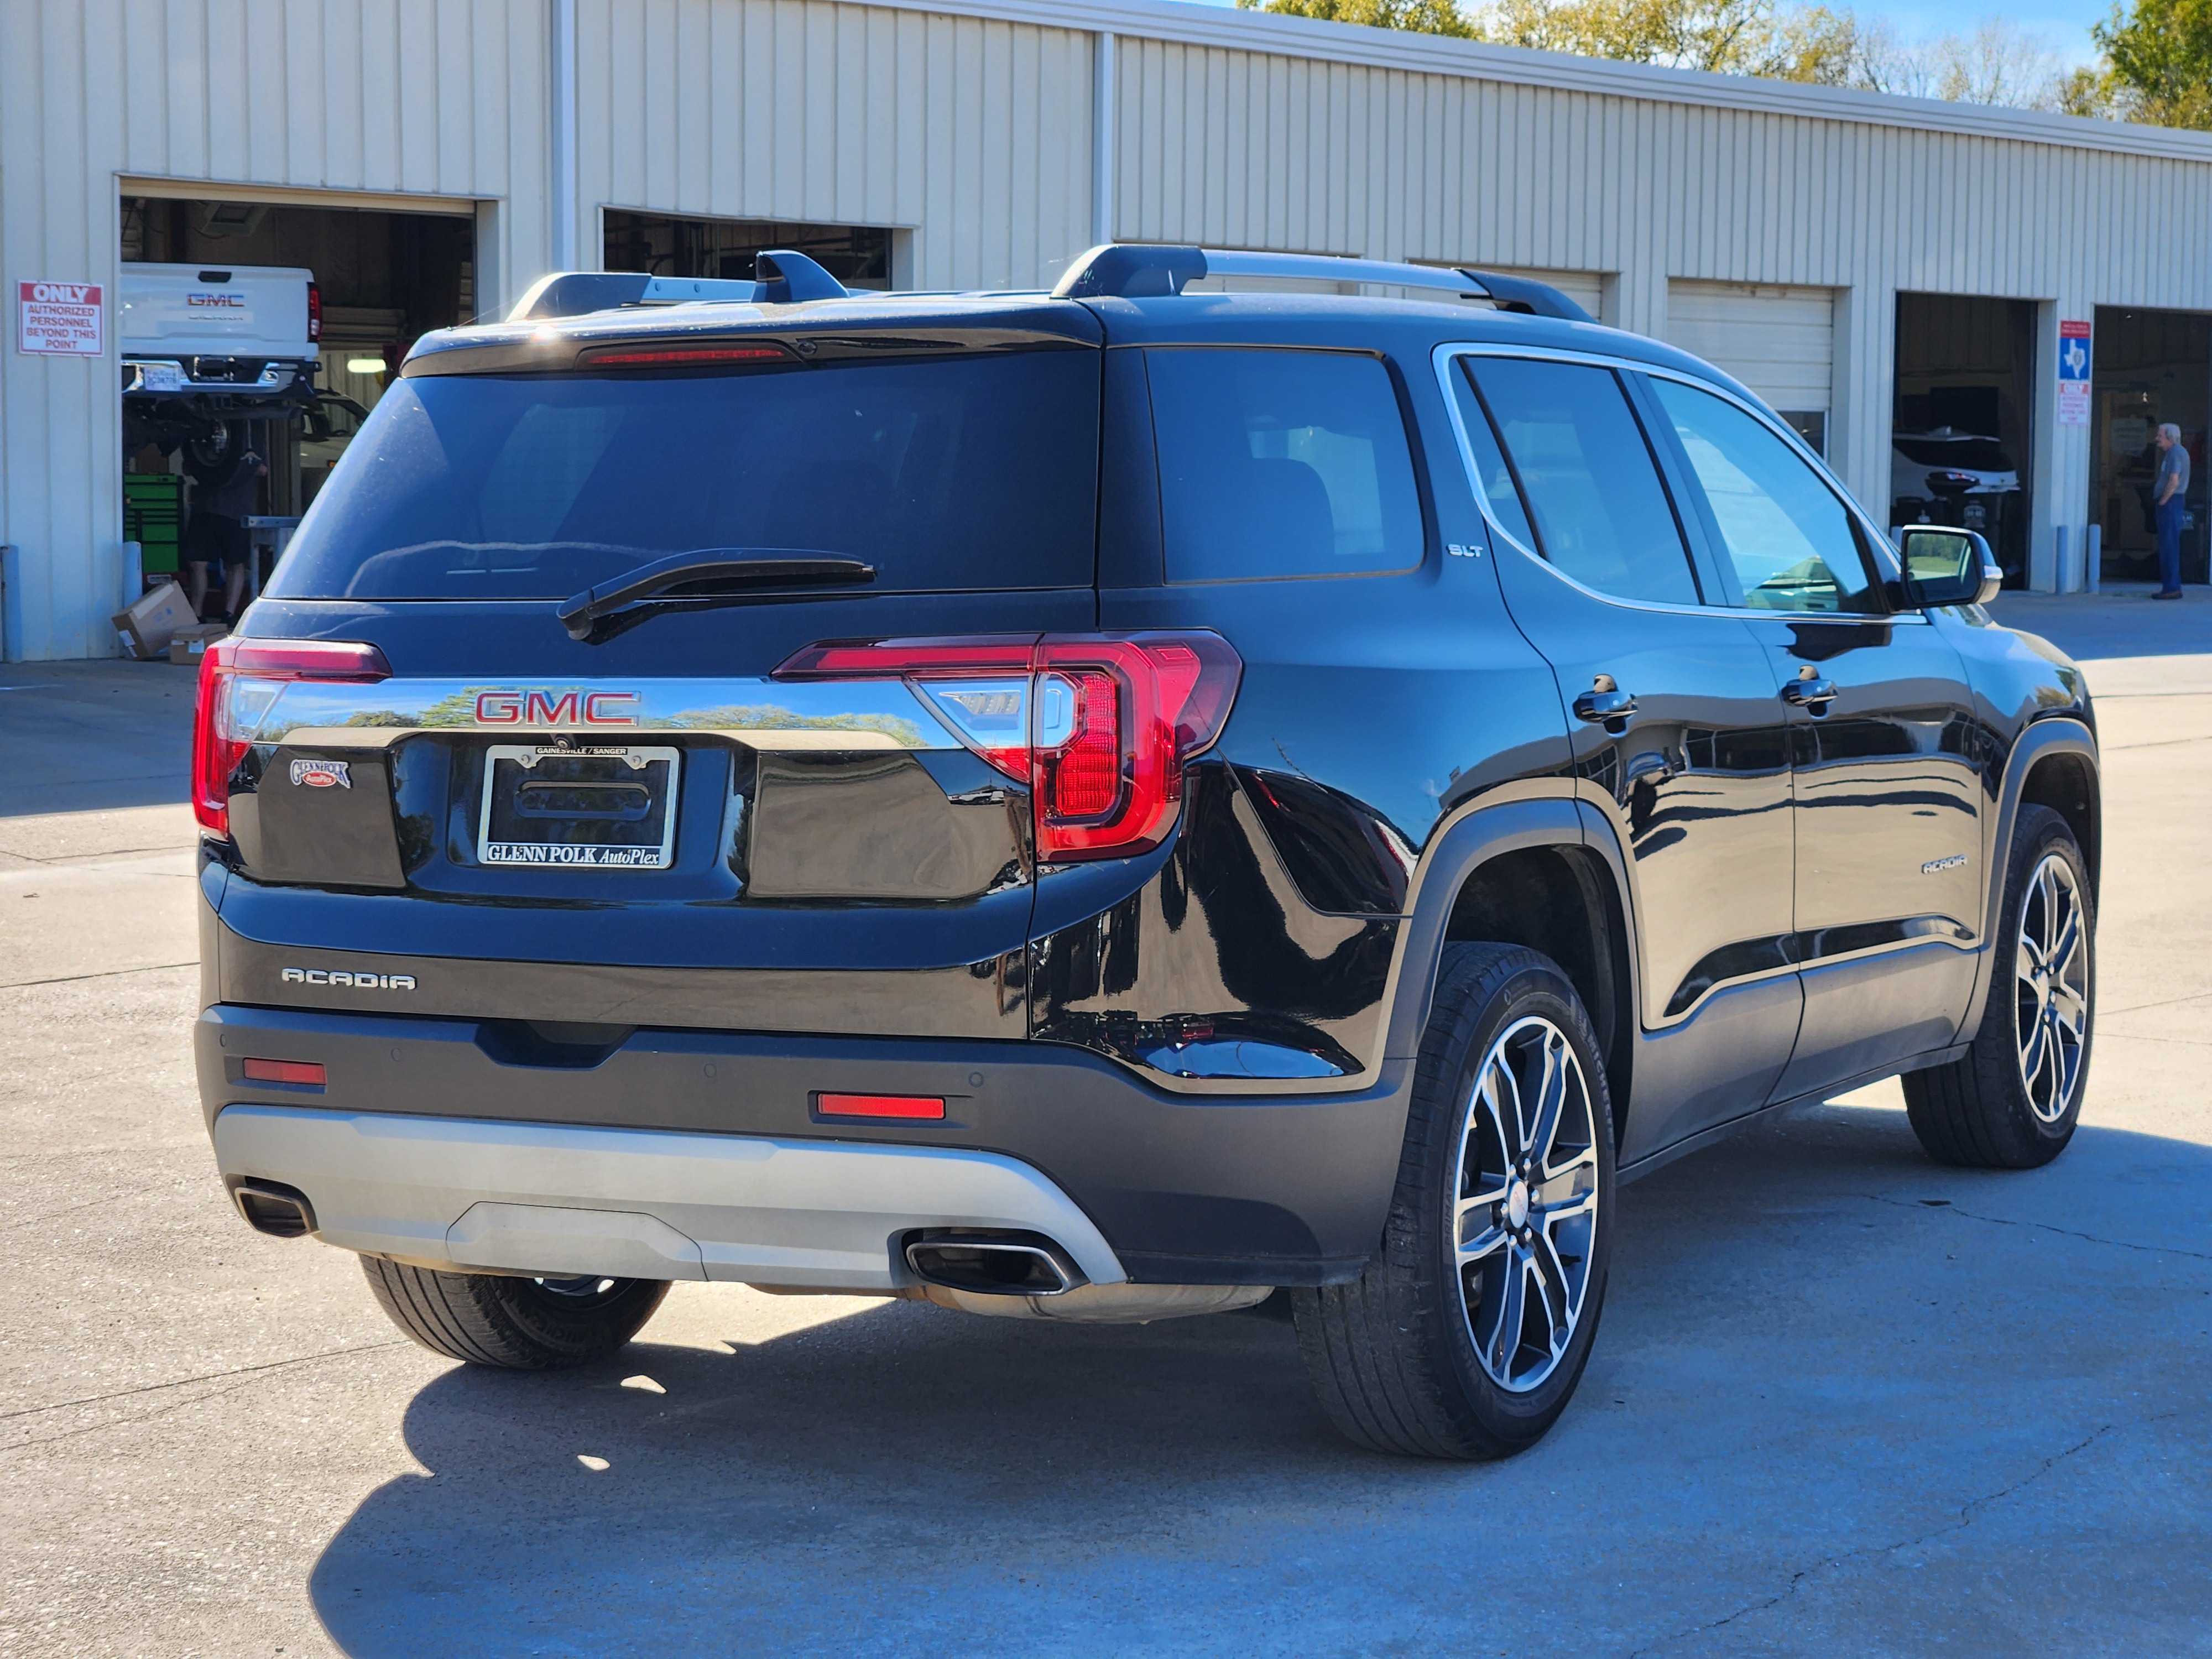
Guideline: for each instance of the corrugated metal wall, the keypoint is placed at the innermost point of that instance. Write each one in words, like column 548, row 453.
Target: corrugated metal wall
column 974, row 134
column 970, row 128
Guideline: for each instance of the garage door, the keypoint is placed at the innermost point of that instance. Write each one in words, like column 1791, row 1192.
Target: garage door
column 1780, row 342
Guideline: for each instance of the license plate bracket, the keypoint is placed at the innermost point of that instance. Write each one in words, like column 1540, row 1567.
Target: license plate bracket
column 596, row 806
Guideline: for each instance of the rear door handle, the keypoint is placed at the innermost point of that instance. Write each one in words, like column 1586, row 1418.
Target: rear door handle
column 1814, row 694
column 1606, row 704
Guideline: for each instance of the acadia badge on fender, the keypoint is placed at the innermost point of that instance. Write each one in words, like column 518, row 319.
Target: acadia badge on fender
column 321, row 774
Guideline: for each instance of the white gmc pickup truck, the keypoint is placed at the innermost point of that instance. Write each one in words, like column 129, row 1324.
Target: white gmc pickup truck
column 205, row 347
column 247, row 333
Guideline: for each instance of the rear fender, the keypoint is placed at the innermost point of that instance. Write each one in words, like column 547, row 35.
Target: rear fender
column 1456, row 853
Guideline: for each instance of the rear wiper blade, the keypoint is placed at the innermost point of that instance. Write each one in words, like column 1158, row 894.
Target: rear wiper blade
column 707, row 573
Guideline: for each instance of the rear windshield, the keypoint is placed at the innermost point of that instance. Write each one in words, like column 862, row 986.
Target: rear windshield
column 944, row 473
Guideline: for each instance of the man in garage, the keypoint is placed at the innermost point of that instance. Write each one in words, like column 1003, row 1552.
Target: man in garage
column 2169, row 490
column 215, row 544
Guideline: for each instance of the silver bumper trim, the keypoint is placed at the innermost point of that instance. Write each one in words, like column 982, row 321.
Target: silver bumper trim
column 639, row 1204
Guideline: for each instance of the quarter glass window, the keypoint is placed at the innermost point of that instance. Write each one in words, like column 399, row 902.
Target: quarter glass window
column 1281, row 464
column 1586, row 471
column 1787, row 536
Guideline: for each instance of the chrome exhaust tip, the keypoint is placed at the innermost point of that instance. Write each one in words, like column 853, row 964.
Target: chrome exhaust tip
column 272, row 1208
column 993, row 1264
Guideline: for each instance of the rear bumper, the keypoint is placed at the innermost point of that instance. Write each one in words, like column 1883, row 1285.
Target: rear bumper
column 1175, row 1188
column 633, row 1204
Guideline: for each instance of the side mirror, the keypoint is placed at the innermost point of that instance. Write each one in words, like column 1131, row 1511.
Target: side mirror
column 1945, row 567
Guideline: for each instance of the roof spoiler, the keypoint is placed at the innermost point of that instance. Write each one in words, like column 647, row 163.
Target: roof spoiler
column 1136, row 270
column 784, row 277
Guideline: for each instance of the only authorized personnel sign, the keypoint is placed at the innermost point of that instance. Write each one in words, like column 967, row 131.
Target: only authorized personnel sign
column 61, row 318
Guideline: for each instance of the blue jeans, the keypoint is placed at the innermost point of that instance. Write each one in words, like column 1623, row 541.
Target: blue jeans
column 2169, row 546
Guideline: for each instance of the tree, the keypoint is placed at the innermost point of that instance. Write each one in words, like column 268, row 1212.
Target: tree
column 2160, row 60
column 1697, row 34
column 1422, row 16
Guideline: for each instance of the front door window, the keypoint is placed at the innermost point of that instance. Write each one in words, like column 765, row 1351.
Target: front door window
column 1786, row 538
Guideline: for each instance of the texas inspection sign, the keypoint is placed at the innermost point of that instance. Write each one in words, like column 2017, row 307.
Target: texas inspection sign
column 66, row 320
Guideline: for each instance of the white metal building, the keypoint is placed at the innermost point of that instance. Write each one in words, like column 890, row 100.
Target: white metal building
column 1772, row 227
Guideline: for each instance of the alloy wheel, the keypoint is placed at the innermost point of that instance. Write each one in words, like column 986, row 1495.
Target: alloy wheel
column 1525, row 1217
column 2052, row 988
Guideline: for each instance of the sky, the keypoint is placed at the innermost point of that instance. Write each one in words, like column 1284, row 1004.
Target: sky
column 2064, row 23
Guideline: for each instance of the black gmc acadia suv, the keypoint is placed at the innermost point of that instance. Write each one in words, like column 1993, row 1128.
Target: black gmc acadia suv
column 1102, row 806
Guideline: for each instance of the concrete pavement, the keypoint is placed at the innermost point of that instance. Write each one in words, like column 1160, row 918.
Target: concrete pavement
column 1843, row 1400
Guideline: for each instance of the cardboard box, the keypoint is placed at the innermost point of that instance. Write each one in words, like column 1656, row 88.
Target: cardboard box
column 188, row 645
column 147, row 627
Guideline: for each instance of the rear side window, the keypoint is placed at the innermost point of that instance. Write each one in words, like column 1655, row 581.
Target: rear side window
column 945, row 473
column 1279, row 463
column 1586, row 472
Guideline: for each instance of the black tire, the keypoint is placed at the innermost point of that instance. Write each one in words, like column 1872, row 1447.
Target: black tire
column 515, row 1324
column 1981, row 1111
column 1393, row 1355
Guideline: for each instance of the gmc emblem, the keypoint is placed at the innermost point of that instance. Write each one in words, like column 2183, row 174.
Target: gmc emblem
column 562, row 708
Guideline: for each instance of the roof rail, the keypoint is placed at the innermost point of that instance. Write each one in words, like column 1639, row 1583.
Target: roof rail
column 1135, row 270
column 784, row 277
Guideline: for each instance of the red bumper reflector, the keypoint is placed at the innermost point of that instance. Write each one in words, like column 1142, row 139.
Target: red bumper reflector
column 908, row 1106
column 282, row 1071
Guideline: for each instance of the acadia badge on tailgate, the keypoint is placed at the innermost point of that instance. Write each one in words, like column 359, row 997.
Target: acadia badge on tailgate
column 321, row 774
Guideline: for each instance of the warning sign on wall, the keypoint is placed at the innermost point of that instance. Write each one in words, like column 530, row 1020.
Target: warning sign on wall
column 61, row 318
column 2073, row 373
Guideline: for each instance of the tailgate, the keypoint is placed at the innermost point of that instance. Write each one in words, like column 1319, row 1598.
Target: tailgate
column 699, row 851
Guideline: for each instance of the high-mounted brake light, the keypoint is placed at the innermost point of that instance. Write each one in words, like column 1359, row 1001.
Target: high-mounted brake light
column 682, row 357
column 238, row 679
column 1098, row 725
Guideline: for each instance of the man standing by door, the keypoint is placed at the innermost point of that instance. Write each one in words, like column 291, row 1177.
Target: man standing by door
column 2167, row 494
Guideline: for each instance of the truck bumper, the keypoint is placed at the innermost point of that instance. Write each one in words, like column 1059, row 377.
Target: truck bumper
column 442, row 1133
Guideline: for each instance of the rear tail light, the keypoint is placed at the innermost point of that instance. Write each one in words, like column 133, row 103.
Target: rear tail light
column 315, row 313
column 1099, row 726
column 239, row 680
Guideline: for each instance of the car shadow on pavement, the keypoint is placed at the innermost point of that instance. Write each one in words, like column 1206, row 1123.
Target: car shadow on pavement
column 908, row 1480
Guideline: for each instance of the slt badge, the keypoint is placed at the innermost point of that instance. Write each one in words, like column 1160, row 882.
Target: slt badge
column 321, row 774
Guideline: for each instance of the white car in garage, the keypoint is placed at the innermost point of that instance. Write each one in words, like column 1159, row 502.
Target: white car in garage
column 1944, row 465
